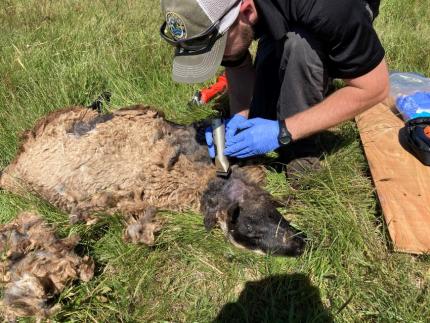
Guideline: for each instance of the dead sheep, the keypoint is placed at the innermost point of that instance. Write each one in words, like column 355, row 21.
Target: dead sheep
column 36, row 266
column 134, row 162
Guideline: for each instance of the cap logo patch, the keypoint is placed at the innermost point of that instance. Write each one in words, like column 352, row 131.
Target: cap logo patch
column 176, row 25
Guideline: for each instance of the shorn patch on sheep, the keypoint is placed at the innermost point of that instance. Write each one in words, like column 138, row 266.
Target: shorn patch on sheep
column 36, row 266
column 134, row 162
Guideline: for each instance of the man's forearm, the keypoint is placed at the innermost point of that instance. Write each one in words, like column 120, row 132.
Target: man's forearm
column 241, row 80
column 342, row 105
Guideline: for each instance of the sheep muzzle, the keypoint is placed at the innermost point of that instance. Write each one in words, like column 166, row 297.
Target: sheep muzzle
column 263, row 230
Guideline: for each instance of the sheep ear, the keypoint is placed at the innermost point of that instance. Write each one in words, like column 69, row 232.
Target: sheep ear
column 233, row 212
column 210, row 220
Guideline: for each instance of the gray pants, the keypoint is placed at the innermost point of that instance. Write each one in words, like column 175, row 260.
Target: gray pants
column 291, row 75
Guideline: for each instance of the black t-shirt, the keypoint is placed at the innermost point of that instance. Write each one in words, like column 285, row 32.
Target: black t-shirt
column 344, row 26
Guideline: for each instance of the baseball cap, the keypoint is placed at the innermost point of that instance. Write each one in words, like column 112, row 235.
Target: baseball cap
column 198, row 30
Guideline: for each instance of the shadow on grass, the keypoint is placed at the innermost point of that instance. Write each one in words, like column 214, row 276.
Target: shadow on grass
column 323, row 143
column 280, row 298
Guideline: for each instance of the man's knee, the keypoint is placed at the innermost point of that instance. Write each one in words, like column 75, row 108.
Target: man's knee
column 303, row 73
column 303, row 49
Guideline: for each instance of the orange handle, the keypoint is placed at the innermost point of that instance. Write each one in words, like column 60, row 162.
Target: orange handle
column 210, row 92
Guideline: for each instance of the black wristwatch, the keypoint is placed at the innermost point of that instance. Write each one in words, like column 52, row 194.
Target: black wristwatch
column 284, row 136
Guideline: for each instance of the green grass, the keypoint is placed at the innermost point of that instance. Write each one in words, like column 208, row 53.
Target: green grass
column 59, row 53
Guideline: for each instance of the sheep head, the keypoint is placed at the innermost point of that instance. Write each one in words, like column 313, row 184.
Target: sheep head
column 249, row 217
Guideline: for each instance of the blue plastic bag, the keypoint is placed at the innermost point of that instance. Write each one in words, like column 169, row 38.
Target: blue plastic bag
column 416, row 105
column 412, row 94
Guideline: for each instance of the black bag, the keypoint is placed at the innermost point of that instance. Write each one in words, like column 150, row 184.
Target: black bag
column 417, row 140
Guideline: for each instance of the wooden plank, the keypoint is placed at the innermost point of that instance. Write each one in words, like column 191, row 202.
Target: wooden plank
column 402, row 182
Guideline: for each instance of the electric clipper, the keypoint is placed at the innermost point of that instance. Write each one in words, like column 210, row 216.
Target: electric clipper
column 221, row 161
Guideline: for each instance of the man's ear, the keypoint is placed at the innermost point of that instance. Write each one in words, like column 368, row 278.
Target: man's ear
column 248, row 12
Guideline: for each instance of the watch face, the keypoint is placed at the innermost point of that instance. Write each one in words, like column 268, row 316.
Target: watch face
column 284, row 140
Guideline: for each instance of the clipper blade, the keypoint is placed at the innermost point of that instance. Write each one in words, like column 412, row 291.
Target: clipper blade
column 221, row 161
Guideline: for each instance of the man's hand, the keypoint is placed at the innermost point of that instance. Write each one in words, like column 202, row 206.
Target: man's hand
column 255, row 137
column 231, row 126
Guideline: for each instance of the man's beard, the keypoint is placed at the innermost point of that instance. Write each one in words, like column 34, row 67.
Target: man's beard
column 248, row 37
column 241, row 46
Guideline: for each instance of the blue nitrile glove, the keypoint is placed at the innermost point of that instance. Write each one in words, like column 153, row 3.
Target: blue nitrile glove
column 230, row 130
column 256, row 137
column 232, row 125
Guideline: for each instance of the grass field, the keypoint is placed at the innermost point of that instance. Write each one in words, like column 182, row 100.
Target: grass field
column 59, row 53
